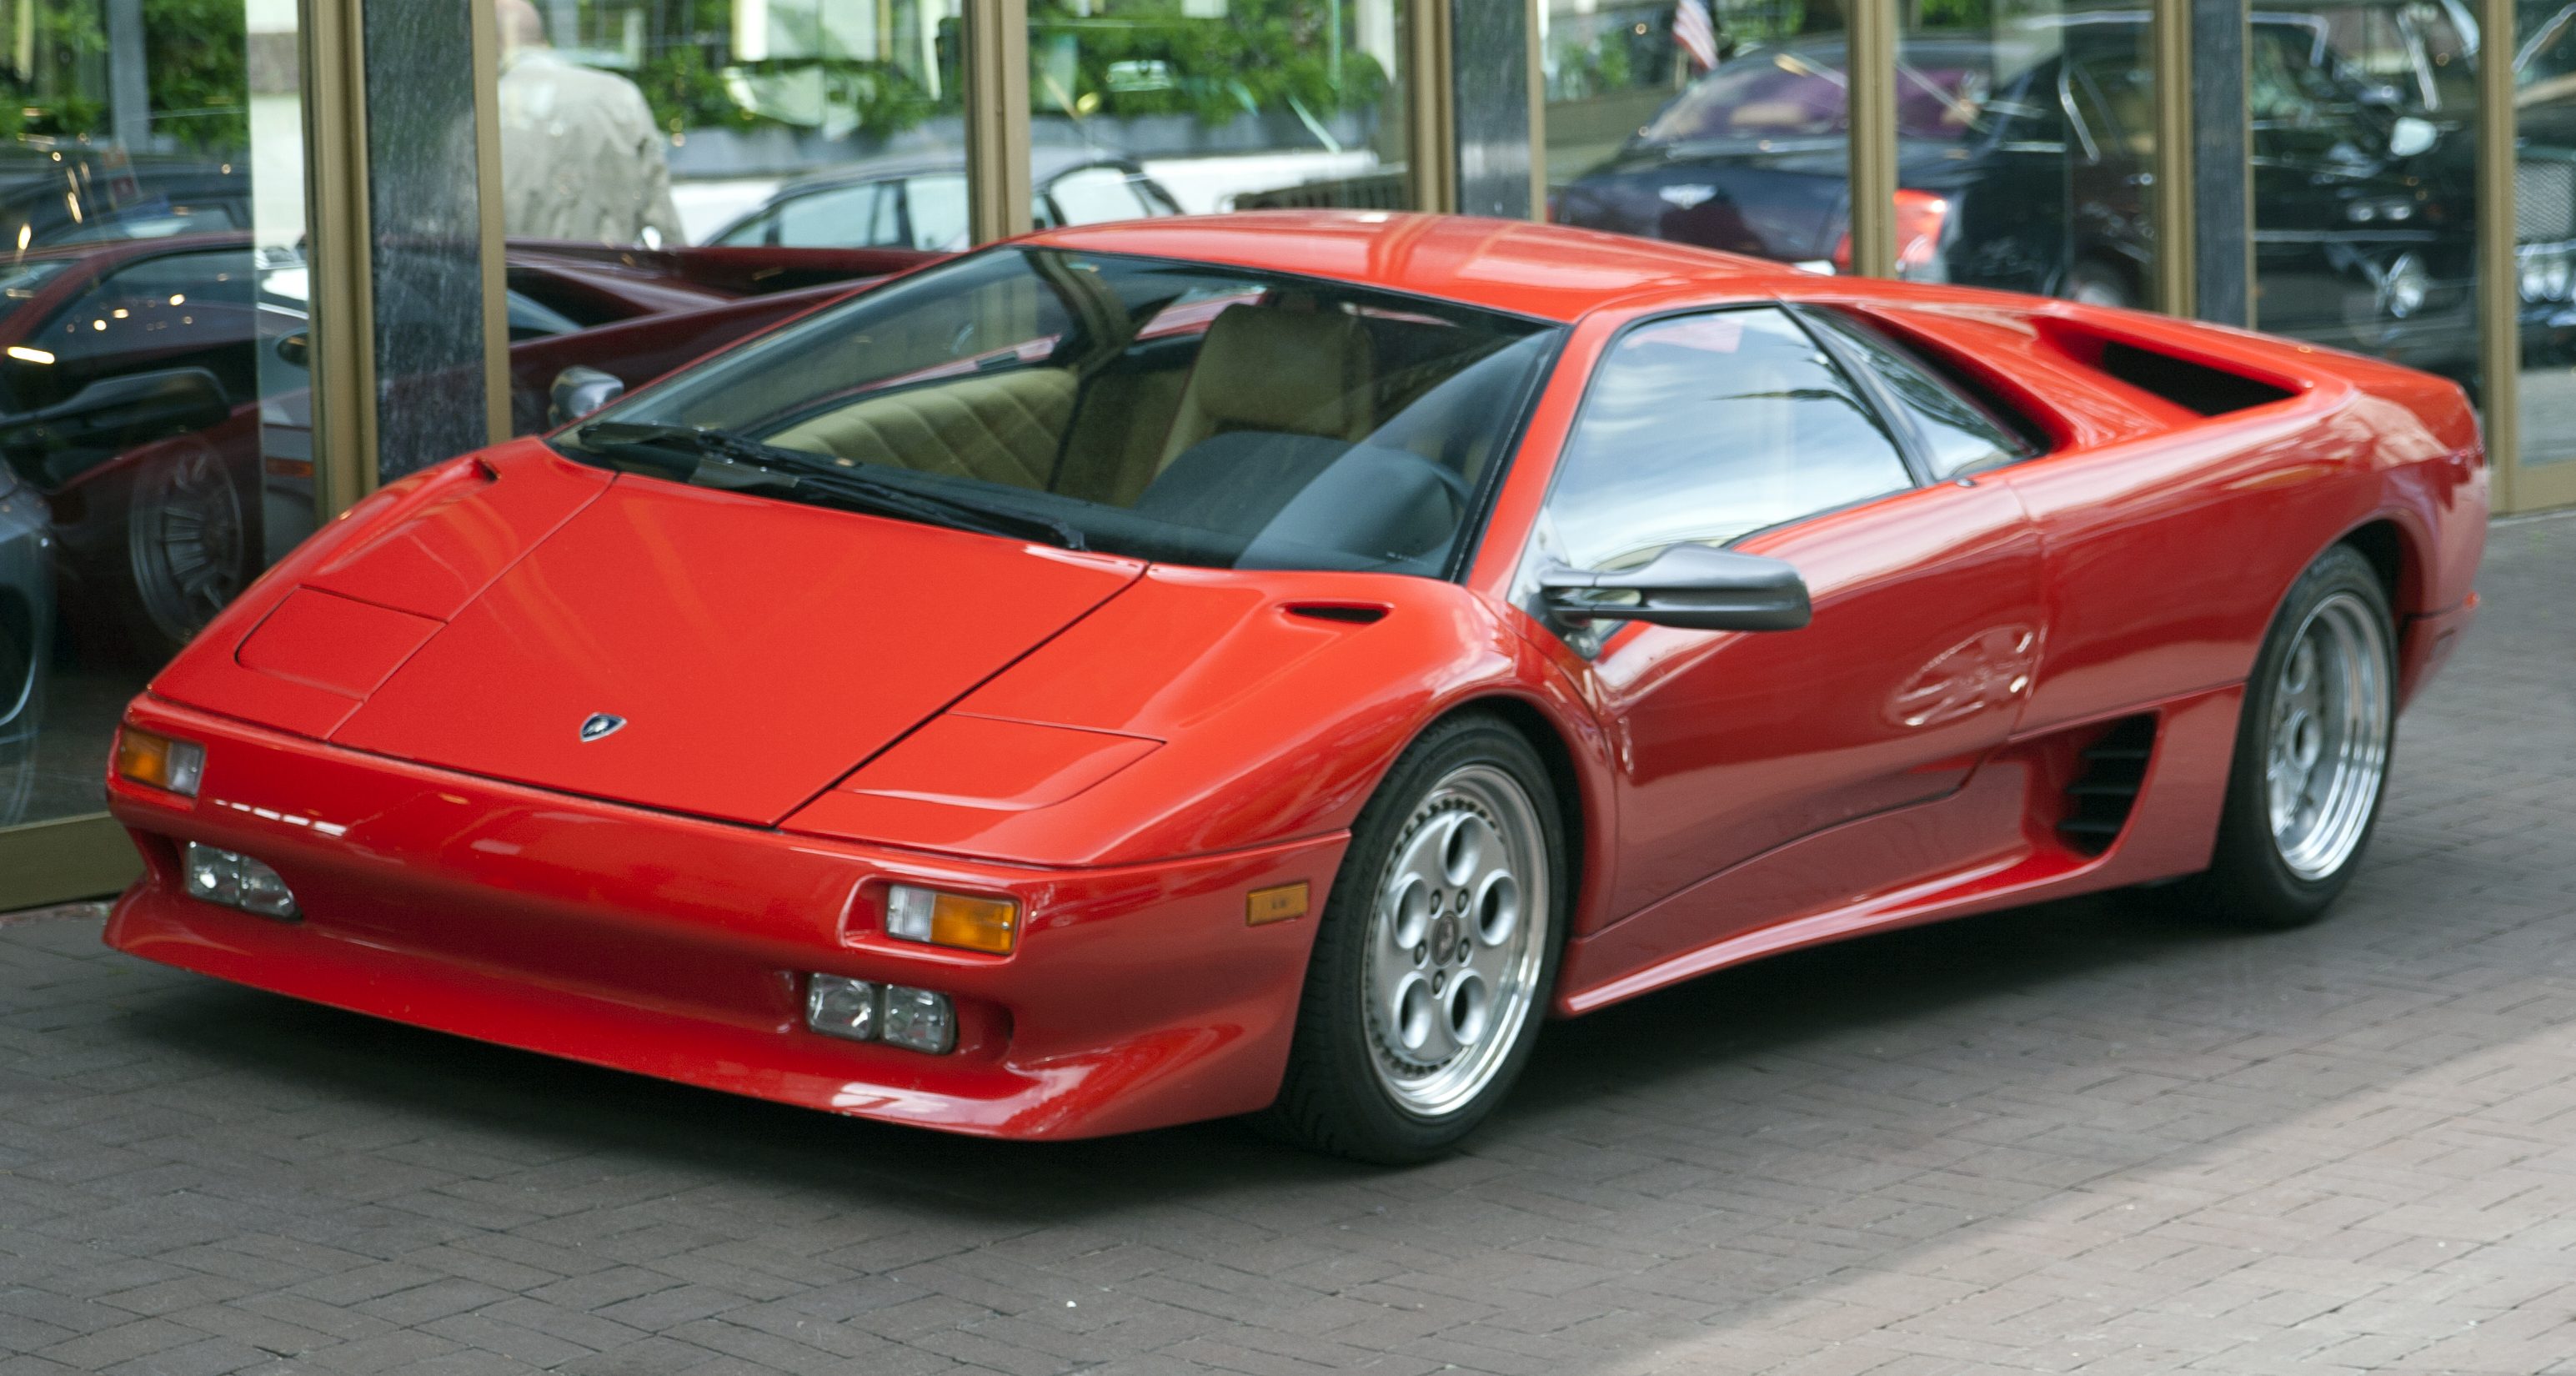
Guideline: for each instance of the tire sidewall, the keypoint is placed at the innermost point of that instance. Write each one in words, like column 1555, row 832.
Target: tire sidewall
column 1333, row 1044
column 2257, row 885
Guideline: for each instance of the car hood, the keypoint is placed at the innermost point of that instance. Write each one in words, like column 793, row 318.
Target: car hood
column 695, row 651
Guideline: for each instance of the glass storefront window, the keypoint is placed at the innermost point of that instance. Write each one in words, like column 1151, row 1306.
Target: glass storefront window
column 2545, row 232
column 2363, row 130
column 727, row 111
column 1150, row 107
column 1731, row 133
column 2025, row 137
column 155, row 451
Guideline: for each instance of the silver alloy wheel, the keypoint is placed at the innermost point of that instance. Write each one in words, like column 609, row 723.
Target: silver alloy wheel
column 1457, row 940
column 186, row 536
column 2327, row 748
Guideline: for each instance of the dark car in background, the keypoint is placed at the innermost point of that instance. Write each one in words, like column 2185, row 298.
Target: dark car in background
column 920, row 202
column 26, row 627
column 65, row 191
column 155, row 393
column 2029, row 170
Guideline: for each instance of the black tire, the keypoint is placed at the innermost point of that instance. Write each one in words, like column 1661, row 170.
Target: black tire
column 2250, row 883
column 1336, row 1096
column 192, row 543
column 2095, row 282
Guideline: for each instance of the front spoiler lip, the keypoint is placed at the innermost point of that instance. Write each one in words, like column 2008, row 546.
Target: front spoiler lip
column 1137, row 999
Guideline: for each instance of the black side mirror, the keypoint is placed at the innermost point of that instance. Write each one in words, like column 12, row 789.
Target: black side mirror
column 117, row 412
column 296, row 349
column 578, row 391
column 1690, row 586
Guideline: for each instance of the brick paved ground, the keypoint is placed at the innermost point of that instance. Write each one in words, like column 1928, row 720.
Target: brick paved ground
column 2066, row 1139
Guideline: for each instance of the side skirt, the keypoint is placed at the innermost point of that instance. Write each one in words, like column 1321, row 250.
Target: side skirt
column 1996, row 843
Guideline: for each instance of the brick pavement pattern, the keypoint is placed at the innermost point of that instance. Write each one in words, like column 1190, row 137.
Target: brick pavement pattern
column 2079, row 1138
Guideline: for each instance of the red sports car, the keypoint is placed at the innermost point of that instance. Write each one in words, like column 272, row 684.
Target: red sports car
column 1271, row 664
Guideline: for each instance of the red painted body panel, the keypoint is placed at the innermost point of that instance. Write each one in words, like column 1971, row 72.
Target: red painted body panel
column 835, row 699
column 672, row 947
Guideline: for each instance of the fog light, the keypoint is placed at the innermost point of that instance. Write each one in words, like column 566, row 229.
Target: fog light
column 838, row 1007
column 159, row 762
column 919, row 1019
column 916, row 1019
column 214, row 875
column 950, row 919
column 236, row 881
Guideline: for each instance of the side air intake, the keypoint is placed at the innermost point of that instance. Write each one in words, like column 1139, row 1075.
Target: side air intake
column 2106, row 788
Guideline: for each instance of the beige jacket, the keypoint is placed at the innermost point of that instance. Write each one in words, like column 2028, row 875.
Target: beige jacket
column 580, row 158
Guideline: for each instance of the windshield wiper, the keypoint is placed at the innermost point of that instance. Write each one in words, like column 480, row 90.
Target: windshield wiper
column 716, row 458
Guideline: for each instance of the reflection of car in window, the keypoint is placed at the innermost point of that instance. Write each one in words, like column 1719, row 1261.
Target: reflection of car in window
column 172, row 488
column 921, row 203
column 2023, row 164
column 26, row 632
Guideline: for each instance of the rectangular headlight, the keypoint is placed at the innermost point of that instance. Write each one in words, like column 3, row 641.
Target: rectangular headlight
column 991, row 925
column 157, row 761
column 235, row 881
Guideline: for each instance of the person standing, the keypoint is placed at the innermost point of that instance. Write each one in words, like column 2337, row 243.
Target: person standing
column 580, row 158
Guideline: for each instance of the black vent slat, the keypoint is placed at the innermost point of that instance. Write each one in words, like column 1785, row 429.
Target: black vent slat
column 2100, row 799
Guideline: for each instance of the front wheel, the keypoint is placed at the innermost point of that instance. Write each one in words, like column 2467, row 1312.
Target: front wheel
column 2312, row 749
column 1436, row 955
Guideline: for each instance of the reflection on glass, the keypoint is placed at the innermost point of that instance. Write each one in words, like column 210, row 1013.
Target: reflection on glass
column 1215, row 105
column 2545, row 230
column 676, row 177
column 1745, row 145
column 727, row 117
column 2365, row 207
column 154, row 424
column 2025, row 139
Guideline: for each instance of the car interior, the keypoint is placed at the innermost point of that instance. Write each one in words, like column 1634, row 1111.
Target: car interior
column 1287, row 416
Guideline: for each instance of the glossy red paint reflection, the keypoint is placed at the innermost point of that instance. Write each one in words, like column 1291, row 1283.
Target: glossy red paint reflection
column 819, row 704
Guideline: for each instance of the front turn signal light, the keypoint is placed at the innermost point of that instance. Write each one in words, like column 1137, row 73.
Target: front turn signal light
column 991, row 925
column 157, row 761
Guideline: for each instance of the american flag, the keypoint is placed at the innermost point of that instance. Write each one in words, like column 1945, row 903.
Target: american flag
column 1693, row 29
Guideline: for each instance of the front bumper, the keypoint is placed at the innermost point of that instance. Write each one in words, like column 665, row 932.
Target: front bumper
column 674, row 947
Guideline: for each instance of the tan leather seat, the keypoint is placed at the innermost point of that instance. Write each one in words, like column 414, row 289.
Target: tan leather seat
column 1000, row 427
column 1265, row 368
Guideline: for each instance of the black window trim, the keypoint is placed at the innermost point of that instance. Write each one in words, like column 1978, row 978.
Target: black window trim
column 1899, row 417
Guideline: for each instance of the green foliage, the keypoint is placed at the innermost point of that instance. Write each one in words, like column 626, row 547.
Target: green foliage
column 1265, row 55
column 194, row 58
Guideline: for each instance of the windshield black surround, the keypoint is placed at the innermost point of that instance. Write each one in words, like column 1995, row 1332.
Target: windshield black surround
column 1175, row 411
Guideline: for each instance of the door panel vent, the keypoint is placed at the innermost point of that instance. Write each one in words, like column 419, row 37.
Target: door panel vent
column 2106, row 787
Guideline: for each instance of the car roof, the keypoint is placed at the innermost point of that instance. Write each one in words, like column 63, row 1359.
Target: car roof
column 1547, row 271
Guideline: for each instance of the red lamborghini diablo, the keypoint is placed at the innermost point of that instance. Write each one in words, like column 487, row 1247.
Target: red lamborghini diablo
column 1270, row 664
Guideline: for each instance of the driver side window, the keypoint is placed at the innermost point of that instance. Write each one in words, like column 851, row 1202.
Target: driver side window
column 1704, row 428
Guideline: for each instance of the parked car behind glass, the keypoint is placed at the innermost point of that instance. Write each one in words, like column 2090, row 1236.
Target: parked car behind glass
column 2365, row 218
column 920, row 203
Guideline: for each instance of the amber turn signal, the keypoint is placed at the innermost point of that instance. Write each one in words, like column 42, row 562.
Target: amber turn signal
column 1275, row 904
column 991, row 925
column 159, row 762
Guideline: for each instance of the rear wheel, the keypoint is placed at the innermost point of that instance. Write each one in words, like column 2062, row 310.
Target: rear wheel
column 1436, row 955
column 2312, row 750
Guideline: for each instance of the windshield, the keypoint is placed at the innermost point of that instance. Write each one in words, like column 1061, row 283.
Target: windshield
column 1786, row 94
column 1175, row 411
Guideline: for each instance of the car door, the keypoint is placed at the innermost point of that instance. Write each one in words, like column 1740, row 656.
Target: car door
column 1741, row 428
